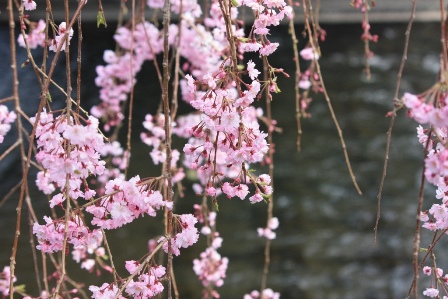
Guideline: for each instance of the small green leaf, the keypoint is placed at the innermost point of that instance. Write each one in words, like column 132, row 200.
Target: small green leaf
column 100, row 19
column 49, row 97
column 235, row 3
column 20, row 288
column 277, row 89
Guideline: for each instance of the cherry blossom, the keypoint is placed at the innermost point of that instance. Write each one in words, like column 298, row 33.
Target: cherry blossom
column 268, row 232
column 61, row 37
column 106, row 291
column 82, row 161
column 187, row 236
column 431, row 292
column 211, row 268
column 36, row 36
column 309, row 54
column 5, row 279
column 29, row 4
column 265, row 294
column 6, row 118
column 148, row 284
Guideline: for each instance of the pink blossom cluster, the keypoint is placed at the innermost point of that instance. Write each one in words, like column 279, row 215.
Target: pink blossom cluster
column 36, row 36
column 226, row 134
column 426, row 113
column 89, row 255
column 436, row 172
column 51, row 235
column 431, row 291
column 5, row 280
column 366, row 35
column 436, row 160
column 69, row 153
column 117, row 77
column 268, row 232
column 124, row 201
column 360, row 4
column 203, row 48
column 268, row 13
column 265, row 294
column 187, row 235
column 148, row 284
column 428, row 271
column 106, row 291
column 61, row 38
column 211, row 268
column 6, row 118
column 309, row 79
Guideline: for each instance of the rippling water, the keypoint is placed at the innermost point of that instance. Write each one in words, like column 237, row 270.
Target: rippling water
column 324, row 246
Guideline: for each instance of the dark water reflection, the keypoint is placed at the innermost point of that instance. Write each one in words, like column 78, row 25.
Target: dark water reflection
column 324, row 244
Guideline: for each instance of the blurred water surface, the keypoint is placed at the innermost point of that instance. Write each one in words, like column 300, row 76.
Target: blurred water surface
column 324, row 246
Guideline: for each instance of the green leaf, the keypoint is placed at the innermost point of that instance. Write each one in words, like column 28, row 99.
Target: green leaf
column 277, row 89
column 20, row 288
column 235, row 3
column 100, row 19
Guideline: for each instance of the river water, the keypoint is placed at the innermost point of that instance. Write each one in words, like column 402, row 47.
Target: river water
column 324, row 246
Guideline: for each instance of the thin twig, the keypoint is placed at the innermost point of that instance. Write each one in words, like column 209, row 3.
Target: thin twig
column 23, row 186
column 298, row 74
column 9, row 194
column 327, row 99
column 167, row 127
column 414, row 285
column 267, row 247
column 393, row 116
column 131, row 96
column 10, row 149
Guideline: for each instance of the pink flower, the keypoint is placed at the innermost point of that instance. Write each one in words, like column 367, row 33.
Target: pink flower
column 131, row 266
column 309, row 54
column 273, row 223
column 304, row 84
column 257, row 197
column 253, row 72
column 190, row 83
column 250, row 47
column 431, row 292
column 6, row 118
column 268, row 49
column 211, row 268
column 241, row 191
column 29, row 4
column 210, row 191
column 61, row 38
column 88, row 264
